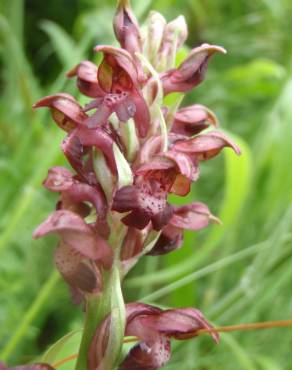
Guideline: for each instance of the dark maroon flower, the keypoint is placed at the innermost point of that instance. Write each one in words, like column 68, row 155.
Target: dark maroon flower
column 191, row 71
column 173, row 169
column 115, row 85
column 189, row 121
column 146, row 202
column 170, row 239
column 27, row 367
column 118, row 73
column 194, row 216
column 70, row 116
column 77, row 147
column 154, row 328
column 126, row 28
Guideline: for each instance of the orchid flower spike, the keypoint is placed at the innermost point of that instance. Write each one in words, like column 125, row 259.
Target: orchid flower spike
column 127, row 151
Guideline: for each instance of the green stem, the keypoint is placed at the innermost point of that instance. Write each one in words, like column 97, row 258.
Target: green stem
column 30, row 315
column 110, row 301
column 92, row 319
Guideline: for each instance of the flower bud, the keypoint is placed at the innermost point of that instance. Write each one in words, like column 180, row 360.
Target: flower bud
column 155, row 31
column 191, row 71
column 174, row 36
column 126, row 28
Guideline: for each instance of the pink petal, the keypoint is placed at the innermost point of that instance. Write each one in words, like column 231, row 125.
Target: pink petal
column 184, row 163
column 132, row 243
column 182, row 323
column 161, row 218
column 158, row 163
column 150, row 148
column 100, row 139
column 192, row 217
column 117, row 57
column 87, row 83
column 206, row 146
column 126, row 199
column 142, row 115
column 74, row 152
column 99, row 118
column 126, row 28
column 191, row 120
column 148, row 356
column 135, row 309
column 137, row 218
column 58, row 179
column 120, row 103
column 66, row 111
column 169, row 240
column 119, row 72
column 75, row 233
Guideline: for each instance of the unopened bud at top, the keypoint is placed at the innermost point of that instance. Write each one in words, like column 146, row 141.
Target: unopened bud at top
column 155, row 32
column 175, row 34
column 126, row 28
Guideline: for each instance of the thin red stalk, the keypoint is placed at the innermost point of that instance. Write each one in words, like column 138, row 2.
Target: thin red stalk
column 220, row 329
column 251, row 326
column 66, row 359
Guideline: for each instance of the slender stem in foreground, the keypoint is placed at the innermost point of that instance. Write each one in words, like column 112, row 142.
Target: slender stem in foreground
column 99, row 306
column 91, row 321
column 251, row 326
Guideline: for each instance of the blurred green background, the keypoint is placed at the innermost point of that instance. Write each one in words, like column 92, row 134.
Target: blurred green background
column 235, row 273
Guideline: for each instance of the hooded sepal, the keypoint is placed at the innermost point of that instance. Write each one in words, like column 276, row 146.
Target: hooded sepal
column 82, row 276
column 74, row 194
column 86, row 73
column 118, row 73
column 194, row 216
column 75, row 233
column 66, row 111
column 155, row 328
column 205, row 146
column 191, row 71
column 189, row 121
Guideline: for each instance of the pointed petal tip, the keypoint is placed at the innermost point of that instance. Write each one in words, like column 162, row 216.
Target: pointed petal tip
column 72, row 72
column 215, row 219
column 123, row 4
column 214, row 48
column 36, row 234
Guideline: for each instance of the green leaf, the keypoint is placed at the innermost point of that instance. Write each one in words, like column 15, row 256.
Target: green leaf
column 51, row 354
